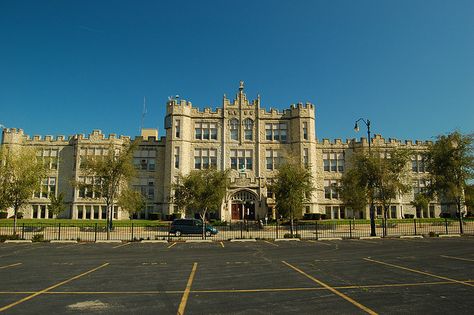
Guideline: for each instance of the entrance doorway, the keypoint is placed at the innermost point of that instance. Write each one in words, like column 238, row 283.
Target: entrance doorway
column 243, row 205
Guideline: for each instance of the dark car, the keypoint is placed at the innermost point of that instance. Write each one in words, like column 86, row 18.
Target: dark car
column 190, row 226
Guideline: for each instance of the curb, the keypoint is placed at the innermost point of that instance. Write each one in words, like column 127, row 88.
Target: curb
column 153, row 241
column 63, row 241
column 411, row 236
column 243, row 240
column 108, row 241
column 198, row 241
column 449, row 235
column 18, row 241
column 369, row 237
column 330, row 239
column 287, row 239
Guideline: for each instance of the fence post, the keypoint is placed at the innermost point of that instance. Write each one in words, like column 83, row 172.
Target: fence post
column 241, row 231
column 350, row 229
column 316, row 230
column 95, row 232
column 59, row 231
column 414, row 223
column 132, row 232
column 446, row 225
column 276, row 226
column 23, row 230
column 296, row 230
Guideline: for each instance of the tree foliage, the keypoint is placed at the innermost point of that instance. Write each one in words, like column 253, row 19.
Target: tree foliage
column 131, row 201
column 20, row 175
column 451, row 165
column 292, row 187
column 56, row 206
column 111, row 172
column 201, row 191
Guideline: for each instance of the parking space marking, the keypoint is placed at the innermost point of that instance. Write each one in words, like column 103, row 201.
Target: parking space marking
column 271, row 243
column 333, row 290
column 128, row 243
column 172, row 245
column 222, row 244
column 184, row 299
column 320, row 242
column 419, row 271
column 458, row 258
column 29, row 297
column 8, row 266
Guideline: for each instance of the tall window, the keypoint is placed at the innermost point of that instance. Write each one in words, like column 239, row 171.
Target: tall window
column 420, row 186
column 176, row 157
column 144, row 159
column 48, row 188
column 331, row 189
column 234, row 129
column 205, row 131
column 273, row 159
column 49, row 157
column 241, row 159
column 177, row 128
column 305, row 157
column 418, row 164
column 276, row 132
column 205, row 158
column 248, row 129
column 305, row 130
column 333, row 162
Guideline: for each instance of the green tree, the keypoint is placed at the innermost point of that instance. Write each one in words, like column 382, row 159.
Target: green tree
column 451, row 165
column 292, row 187
column 469, row 196
column 20, row 176
column 375, row 177
column 56, row 206
column 201, row 191
column 131, row 201
column 112, row 173
column 421, row 201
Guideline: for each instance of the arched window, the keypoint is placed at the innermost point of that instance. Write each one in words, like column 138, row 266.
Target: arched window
column 248, row 129
column 234, row 129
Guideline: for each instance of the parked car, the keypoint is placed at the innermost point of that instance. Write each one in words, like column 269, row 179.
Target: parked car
column 191, row 226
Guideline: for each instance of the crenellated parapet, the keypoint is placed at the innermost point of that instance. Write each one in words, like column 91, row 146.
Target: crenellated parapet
column 377, row 142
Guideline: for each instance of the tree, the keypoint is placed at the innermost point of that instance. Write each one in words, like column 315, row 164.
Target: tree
column 469, row 196
column 292, row 187
column 111, row 173
column 56, row 206
column 421, row 201
column 375, row 177
column 451, row 165
column 131, row 201
column 201, row 191
column 20, row 175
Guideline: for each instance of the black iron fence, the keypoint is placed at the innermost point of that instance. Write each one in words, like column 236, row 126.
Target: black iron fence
column 238, row 230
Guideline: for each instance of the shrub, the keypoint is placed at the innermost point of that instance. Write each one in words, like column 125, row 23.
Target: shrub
column 409, row 216
column 288, row 235
column 154, row 216
column 323, row 216
column 445, row 215
column 19, row 215
column 37, row 238
column 3, row 214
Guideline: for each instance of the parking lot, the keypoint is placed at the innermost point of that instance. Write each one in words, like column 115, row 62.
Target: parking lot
column 430, row 275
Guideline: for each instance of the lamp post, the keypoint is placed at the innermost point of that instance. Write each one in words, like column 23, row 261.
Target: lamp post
column 372, row 210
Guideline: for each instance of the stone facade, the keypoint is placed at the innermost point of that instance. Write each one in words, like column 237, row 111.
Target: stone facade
column 241, row 136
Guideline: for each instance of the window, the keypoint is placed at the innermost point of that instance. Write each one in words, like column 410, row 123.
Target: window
column 418, row 164
column 331, row 189
column 177, row 128
column 248, row 129
column 241, row 160
column 276, row 132
column 234, row 129
column 205, row 158
column 273, row 159
column 49, row 158
column 144, row 159
column 420, row 186
column 333, row 162
column 47, row 188
column 205, row 131
column 176, row 157
column 305, row 157
column 305, row 130
column 270, row 193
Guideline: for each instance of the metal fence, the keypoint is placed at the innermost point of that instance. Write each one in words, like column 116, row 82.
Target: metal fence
column 239, row 230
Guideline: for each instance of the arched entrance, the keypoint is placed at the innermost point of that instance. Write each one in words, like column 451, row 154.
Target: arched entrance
column 243, row 205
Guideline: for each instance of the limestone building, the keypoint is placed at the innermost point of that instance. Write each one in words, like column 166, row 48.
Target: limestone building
column 241, row 136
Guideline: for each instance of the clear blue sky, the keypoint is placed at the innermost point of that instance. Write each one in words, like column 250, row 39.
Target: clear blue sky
column 68, row 67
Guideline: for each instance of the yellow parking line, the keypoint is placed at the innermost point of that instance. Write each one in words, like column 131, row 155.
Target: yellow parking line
column 333, row 290
column 8, row 266
column 271, row 243
column 458, row 258
column 172, row 245
column 29, row 297
column 184, row 299
column 222, row 244
column 420, row 272
column 128, row 243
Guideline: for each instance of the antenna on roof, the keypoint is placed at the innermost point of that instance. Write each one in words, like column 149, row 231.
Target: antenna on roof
column 143, row 114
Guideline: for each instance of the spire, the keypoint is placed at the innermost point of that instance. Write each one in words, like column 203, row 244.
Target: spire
column 241, row 86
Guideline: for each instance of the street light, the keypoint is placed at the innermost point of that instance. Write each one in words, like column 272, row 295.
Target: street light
column 367, row 123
